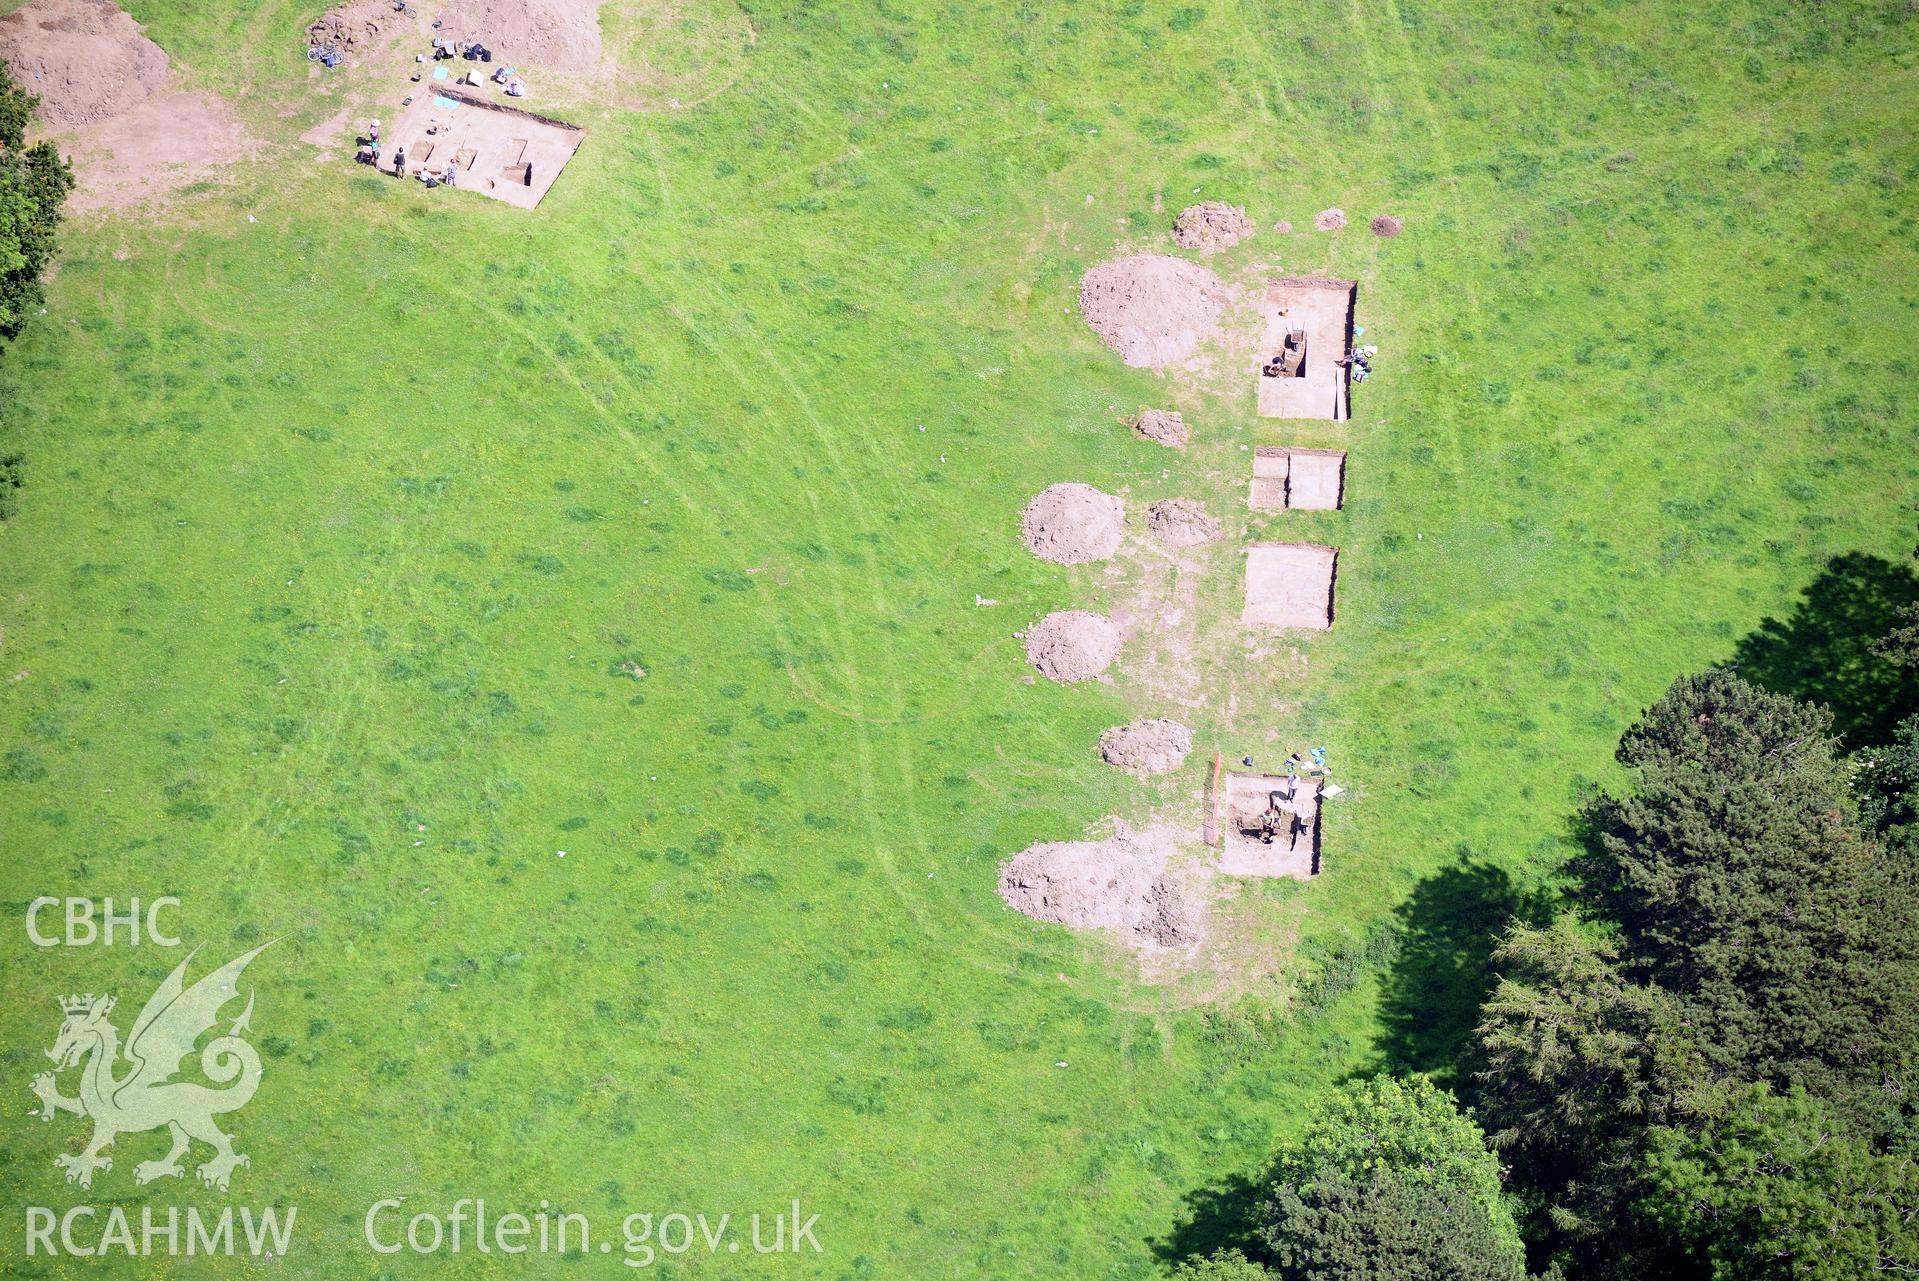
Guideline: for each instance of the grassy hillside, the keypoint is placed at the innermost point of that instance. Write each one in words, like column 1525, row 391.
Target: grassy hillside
column 347, row 509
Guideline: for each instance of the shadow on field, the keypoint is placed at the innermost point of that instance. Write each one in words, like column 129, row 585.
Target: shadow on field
column 1826, row 652
column 1220, row 1217
column 1430, row 997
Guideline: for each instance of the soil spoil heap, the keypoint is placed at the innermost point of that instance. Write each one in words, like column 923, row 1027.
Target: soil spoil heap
column 1146, row 747
column 1072, row 645
column 86, row 60
column 1152, row 309
column 1211, row 227
column 1072, row 523
column 1119, row 884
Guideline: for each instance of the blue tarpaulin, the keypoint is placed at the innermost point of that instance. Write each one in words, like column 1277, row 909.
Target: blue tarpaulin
column 445, row 103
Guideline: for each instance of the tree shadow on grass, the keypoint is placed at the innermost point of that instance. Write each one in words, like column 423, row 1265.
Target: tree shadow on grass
column 1826, row 651
column 1430, row 997
column 1221, row 1216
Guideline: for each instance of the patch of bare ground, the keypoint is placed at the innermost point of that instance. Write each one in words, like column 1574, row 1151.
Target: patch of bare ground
column 1146, row 747
column 1211, row 227
column 164, row 144
column 533, row 35
column 1153, row 309
column 1072, row 645
column 1124, row 883
column 107, row 101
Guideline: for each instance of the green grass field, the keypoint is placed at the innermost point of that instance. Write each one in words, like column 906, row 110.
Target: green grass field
column 344, row 506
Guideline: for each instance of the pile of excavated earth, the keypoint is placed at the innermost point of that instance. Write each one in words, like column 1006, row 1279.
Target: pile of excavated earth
column 1211, row 227
column 1163, row 427
column 1071, row 524
column 104, row 88
column 1181, row 522
column 1153, row 309
column 86, row 60
column 1072, row 645
column 1122, row 883
column 1146, row 747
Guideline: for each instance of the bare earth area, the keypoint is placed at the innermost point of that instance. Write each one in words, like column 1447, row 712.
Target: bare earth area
column 1120, row 884
column 162, row 145
column 104, row 100
column 555, row 35
column 1153, row 309
column 1072, row 645
column 1146, row 747
column 1290, row 585
column 1071, row 524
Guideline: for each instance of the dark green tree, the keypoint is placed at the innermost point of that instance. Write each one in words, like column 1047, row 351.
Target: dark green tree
column 1387, row 1228
column 1742, row 886
column 1581, row 1061
column 1778, row 1188
column 1390, row 1179
column 34, row 182
column 1227, row 1265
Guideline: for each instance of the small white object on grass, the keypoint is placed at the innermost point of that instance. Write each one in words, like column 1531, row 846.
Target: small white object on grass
column 1061, row 1063
column 562, row 853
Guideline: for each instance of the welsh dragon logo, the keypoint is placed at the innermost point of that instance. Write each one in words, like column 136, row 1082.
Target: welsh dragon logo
column 145, row 1096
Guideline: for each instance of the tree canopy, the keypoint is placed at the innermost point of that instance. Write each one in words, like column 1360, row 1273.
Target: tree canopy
column 1390, row 1179
column 34, row 182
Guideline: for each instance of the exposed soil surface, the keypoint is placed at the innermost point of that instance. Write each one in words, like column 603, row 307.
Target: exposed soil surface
column 359, row 27
column 1146, row 747
column 162, row 145
column 1153, row 309
column 1181, row 522
column 1386, row 226
column 103, row 91
column 1211, row 227
column 1071, row 524
column 1165, row 427
column 86, row 60
column 1072, row 645
column 554, row 35
column 1330, row 219
column 1120, row 884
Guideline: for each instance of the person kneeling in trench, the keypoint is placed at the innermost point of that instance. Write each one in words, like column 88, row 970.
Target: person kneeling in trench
column 1272, row 820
